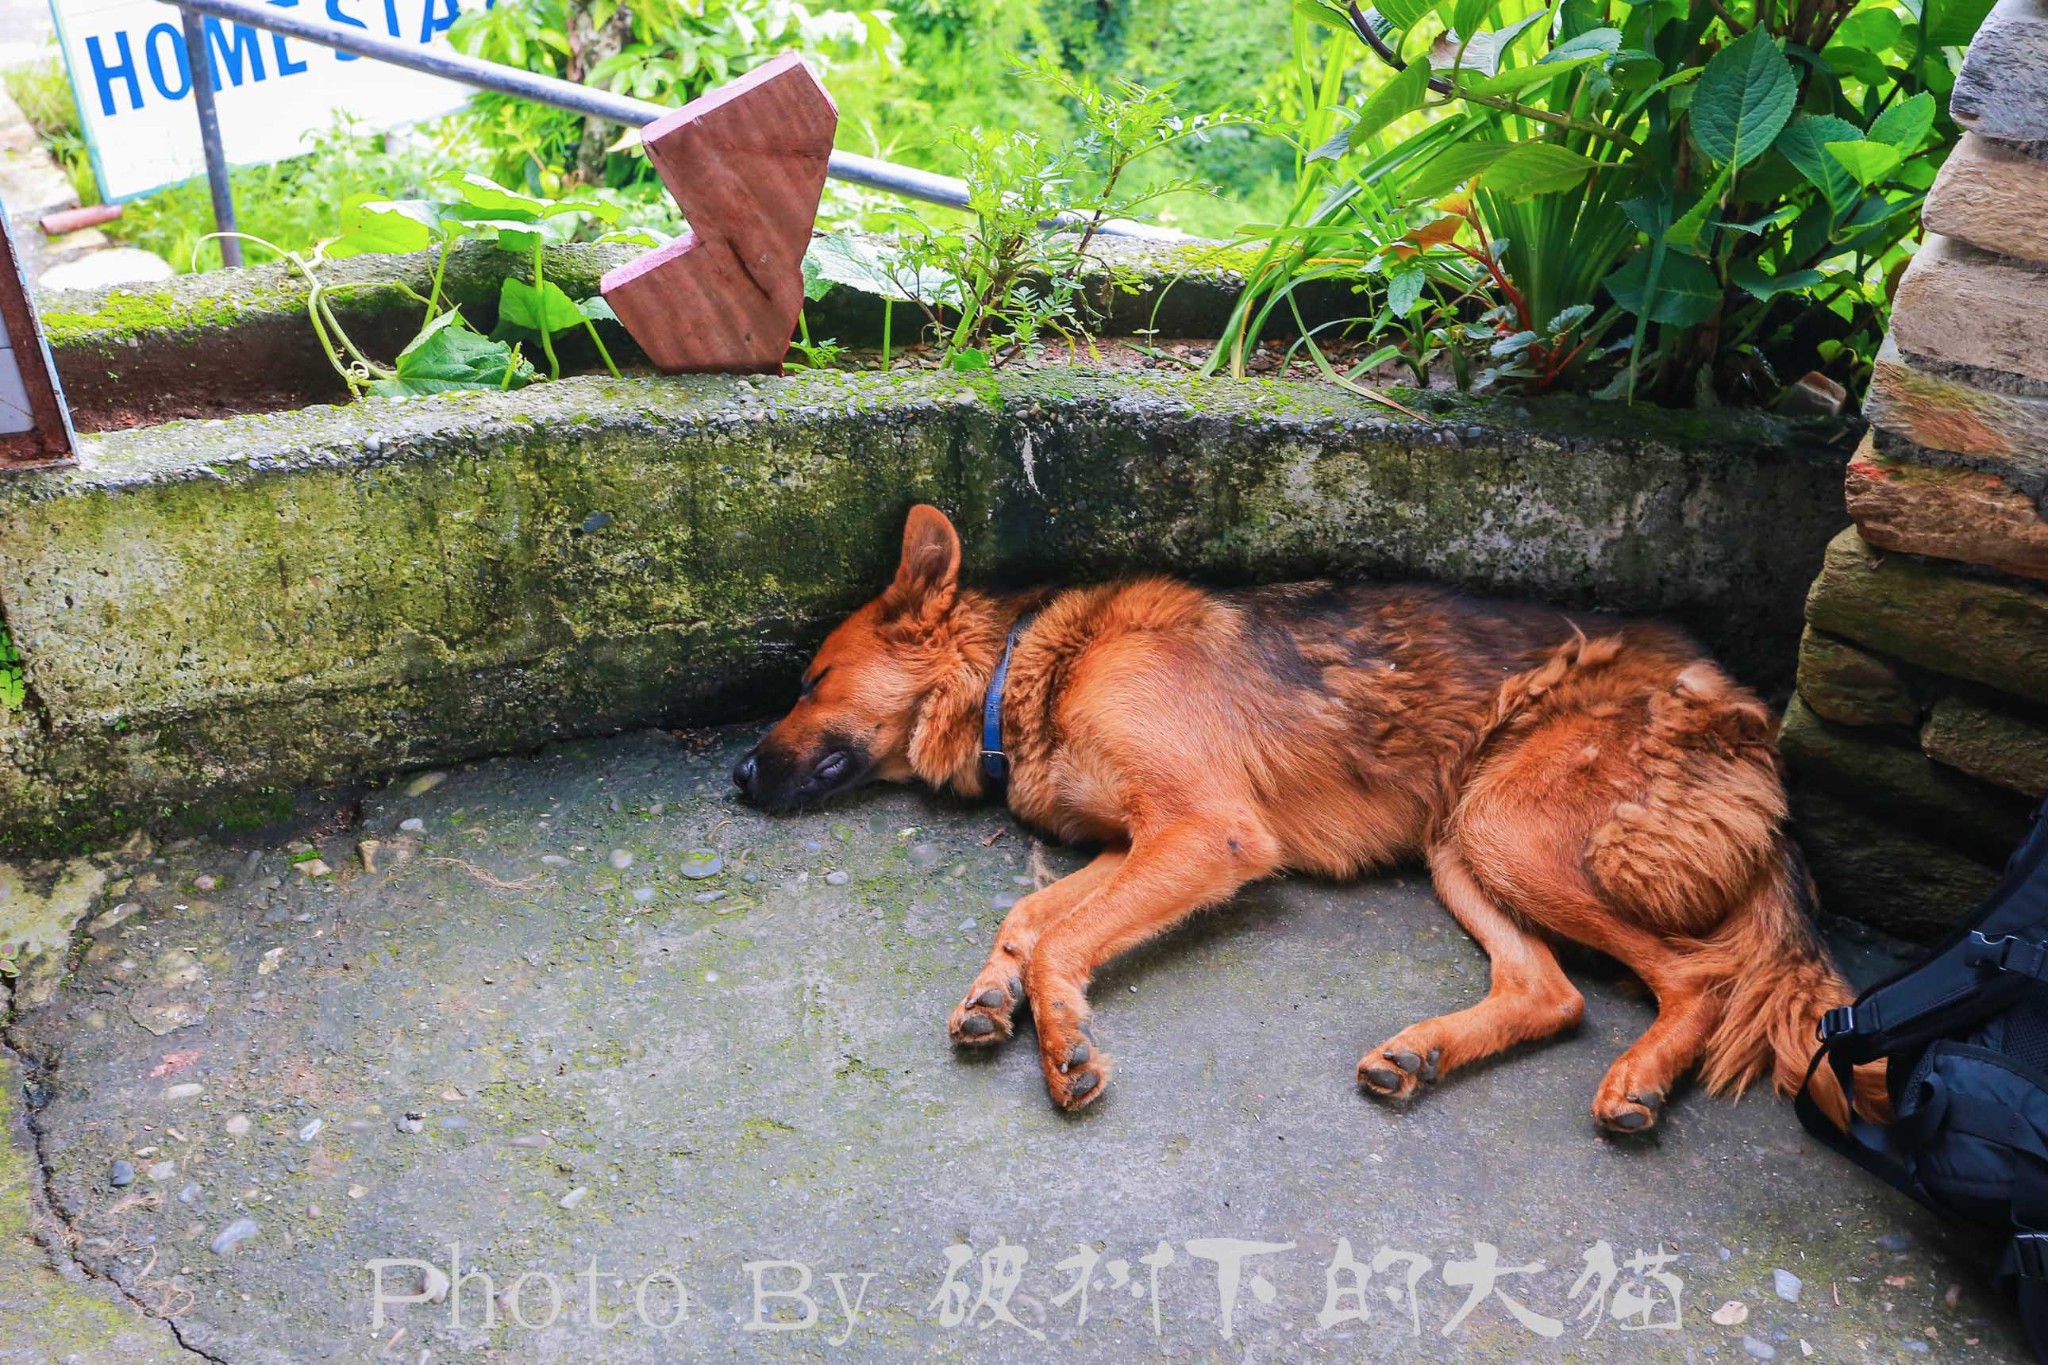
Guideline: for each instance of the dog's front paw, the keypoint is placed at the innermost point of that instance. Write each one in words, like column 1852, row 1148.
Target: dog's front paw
column 987, row 1014
column 1076, row 1075
column 1626, row 1104
column 1398, row 1071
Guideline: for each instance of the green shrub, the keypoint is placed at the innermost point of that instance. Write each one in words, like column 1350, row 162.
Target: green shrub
column 1665, row 198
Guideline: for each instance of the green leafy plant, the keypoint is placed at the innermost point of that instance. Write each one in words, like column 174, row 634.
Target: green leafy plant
column 1019, row 266
column 1685, row 199
column 447, row 353
column 667, row 51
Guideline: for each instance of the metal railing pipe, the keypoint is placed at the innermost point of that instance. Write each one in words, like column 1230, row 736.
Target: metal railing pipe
column 850, row 167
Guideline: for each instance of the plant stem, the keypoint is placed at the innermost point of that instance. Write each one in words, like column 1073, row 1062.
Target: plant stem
column 547, row 341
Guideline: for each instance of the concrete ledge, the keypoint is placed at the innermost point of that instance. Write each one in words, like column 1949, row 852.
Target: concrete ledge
column 215, row 610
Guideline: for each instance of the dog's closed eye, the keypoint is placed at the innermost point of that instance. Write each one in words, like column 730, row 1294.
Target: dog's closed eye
column 810, row 683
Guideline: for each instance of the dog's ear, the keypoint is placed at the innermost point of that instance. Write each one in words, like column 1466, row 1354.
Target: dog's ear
column 929, row 574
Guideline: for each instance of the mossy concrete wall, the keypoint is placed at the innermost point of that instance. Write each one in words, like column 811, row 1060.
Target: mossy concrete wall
column 212, row 612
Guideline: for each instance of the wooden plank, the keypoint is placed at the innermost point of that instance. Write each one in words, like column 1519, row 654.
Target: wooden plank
column 746, row 163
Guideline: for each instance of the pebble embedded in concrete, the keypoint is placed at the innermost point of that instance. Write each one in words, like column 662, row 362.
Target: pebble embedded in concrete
column 233, row 1235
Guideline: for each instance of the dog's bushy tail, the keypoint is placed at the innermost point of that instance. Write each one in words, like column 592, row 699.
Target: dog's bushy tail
column 1777, row 981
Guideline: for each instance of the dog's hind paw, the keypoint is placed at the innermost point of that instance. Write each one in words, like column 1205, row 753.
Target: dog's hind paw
column 1397, row 1073
column 1080, row 1081
column 1631, row 1115
column 985, row 1016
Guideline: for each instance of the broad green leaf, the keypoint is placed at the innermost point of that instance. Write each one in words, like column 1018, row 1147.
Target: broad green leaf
column 1744, row 99
column 1857, row 62
column 1452, row 167
column 1952, row 23
column 1872, row 28
column 1869, row 162
column 384, row 227
column 1804, row 143
column 1594, row 42
column 1749, row 277
column 1906, row 124
column 1404, row 291
column 1332, row 148
column 1569, row 318
column 447, row 356
column 971, row 358
column 1519, row 78
column 1532, row 168
column 1686, row 292
column 1468, row 15
column 869, row 265
column 1405, row 14
column 480, row 191
column 816, row 286
column 596, row 309
column 1684, row 235
column 546, row 308
column 1403, row 94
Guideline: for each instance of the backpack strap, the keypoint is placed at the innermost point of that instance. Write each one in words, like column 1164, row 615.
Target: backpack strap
column 1878, row 1150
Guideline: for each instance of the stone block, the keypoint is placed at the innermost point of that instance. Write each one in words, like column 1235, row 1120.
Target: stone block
column 1969, row 307
column 1987, row 743
column 1993, row 196
column 1947, row 619
column 1998, row 421
column 1894, row 780
column 2002, row 90
column 1948, row 511
column 1846, row 685
column 1869, row 868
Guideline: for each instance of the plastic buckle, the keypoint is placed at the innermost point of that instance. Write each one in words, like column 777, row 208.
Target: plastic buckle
column 2030, row 1249
column 1837, row 1021
column 2001, row 953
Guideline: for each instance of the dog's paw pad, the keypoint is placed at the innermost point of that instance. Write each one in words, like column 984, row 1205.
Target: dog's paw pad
column 1399, row 1073
column 1633, row 1114
column 983, row 1017
column 1077, row 1085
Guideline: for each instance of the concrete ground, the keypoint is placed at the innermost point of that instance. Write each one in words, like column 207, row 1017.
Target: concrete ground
column 608, row 1033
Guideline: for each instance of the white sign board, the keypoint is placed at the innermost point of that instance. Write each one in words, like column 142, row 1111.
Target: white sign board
column 134, row 85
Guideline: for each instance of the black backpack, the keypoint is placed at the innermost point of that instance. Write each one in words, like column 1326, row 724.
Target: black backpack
column 1964, row 1036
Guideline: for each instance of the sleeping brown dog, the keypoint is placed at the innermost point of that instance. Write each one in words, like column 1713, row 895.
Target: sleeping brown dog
column 1572, row 778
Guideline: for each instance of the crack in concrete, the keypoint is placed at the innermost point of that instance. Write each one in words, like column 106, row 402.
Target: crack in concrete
column 43, row 1205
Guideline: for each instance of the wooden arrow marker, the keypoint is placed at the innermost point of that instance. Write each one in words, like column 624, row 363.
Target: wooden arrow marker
column 746, row 163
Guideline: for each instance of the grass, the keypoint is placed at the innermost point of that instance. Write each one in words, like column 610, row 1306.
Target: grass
column 44, row 94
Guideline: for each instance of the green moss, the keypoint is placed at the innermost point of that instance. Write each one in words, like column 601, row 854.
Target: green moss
column 122, row 316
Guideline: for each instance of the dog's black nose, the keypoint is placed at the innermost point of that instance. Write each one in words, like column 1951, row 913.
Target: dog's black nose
column 743, row 774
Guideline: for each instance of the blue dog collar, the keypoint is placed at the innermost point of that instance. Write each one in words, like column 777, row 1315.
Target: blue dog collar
column 995, row 764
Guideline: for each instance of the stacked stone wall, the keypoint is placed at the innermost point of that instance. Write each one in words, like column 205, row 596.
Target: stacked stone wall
column 1918, row 741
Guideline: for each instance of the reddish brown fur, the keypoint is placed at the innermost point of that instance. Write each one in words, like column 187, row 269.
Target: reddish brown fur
column 1566, row 778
